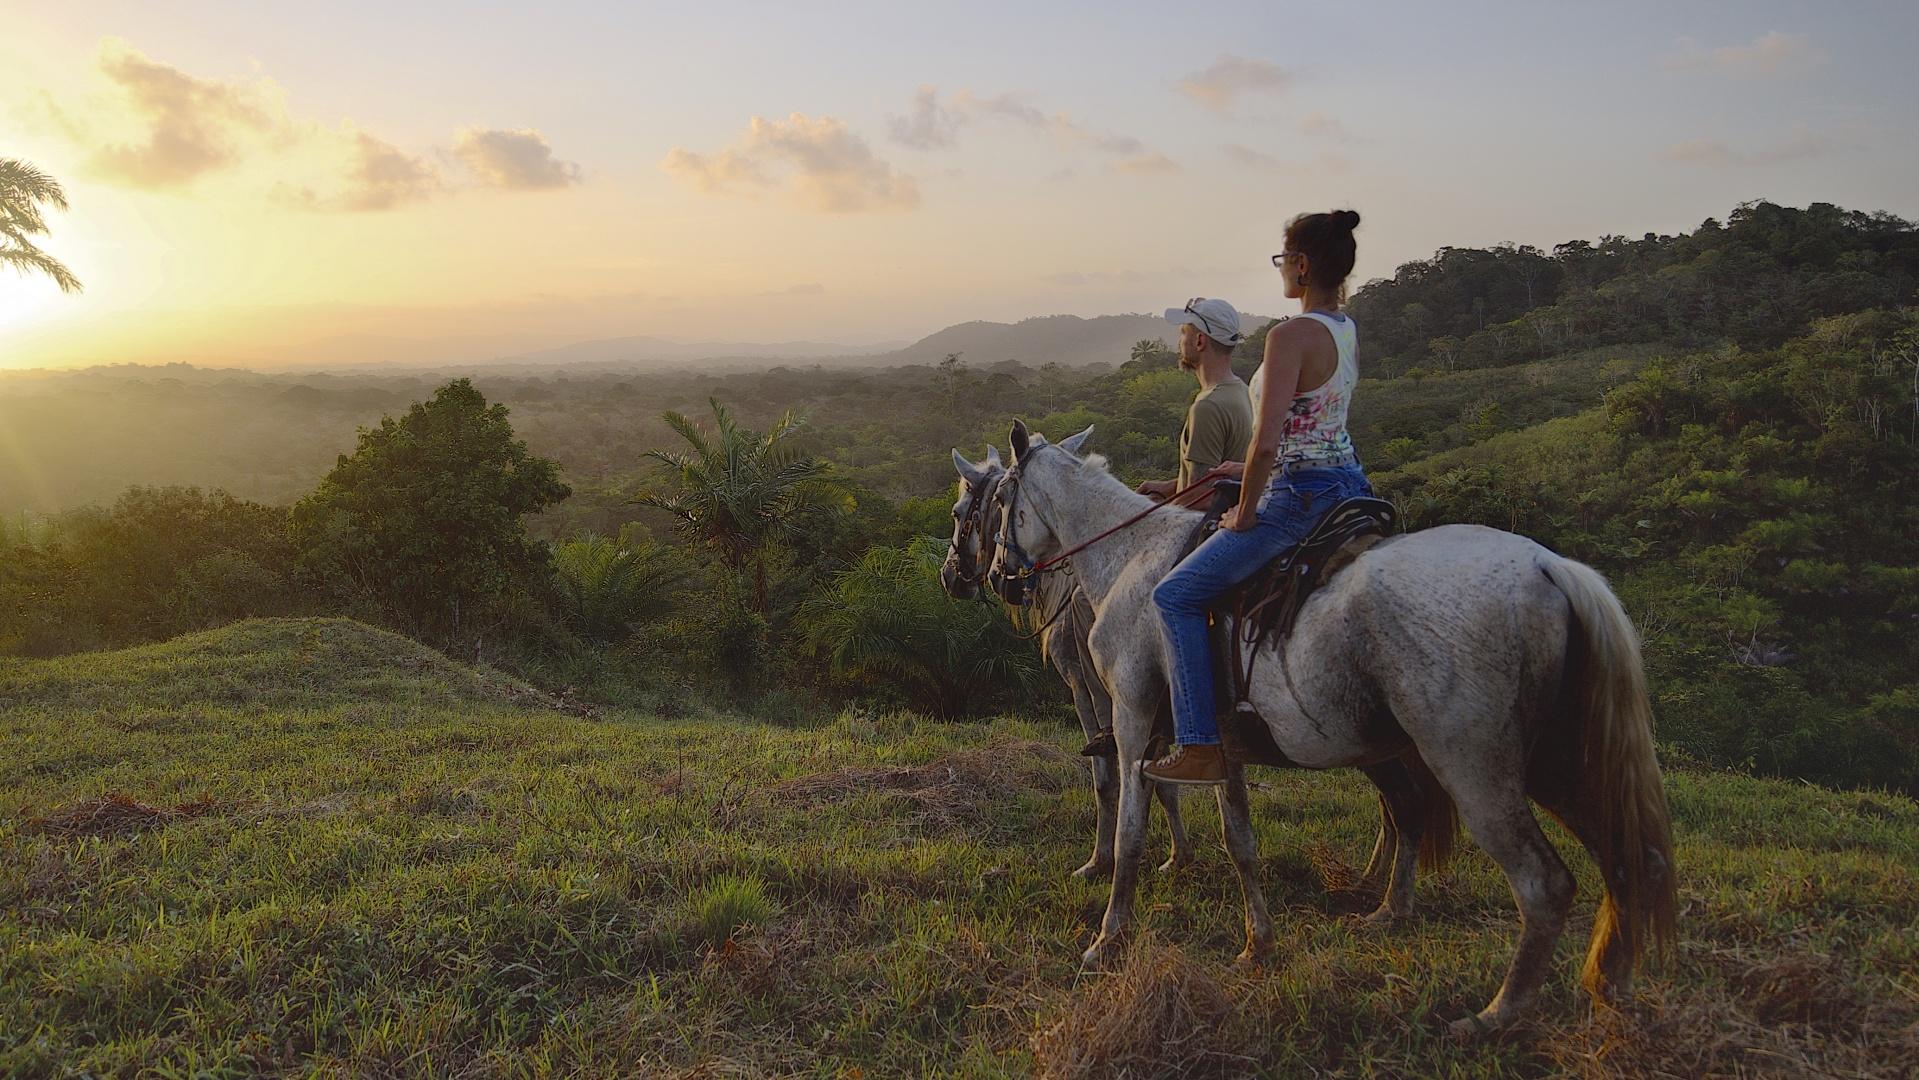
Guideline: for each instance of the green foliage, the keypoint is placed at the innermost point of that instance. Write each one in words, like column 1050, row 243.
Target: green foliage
column 159, row 562
column 23, row 189
column 738, row 491
column 887, row 625
column 423, row 520
column 1759, row 510
column 605, row 588
column 728, row 904
column 1757, row 280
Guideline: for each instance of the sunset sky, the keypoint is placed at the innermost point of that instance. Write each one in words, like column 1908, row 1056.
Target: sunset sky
column 275, row 184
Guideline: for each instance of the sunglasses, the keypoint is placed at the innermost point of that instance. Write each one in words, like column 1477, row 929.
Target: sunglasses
column 1204, row 321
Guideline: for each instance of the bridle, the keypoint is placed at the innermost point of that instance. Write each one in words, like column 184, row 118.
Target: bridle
column 1028, row 570
column 973, row 522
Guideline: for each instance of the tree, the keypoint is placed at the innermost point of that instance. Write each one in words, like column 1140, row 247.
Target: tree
column 423, row 519
column 738, row 490
column 887, row 621
column 23, row 188
column 606, row 586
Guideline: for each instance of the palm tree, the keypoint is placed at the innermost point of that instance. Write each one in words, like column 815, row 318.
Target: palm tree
column 888, row 619
column 22, row 189
column 739, row 489
column 606, row 586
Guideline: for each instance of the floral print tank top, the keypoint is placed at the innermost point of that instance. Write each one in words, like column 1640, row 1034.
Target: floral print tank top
column 1316, row 424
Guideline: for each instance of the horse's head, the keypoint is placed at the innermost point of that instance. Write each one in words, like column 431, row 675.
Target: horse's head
column 968, row 552
column 1026, row 535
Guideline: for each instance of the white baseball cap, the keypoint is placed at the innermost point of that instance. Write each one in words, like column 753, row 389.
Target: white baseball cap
column 1215, row 318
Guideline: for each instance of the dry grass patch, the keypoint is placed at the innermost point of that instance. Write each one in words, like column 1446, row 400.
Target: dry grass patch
column 953, row 791
column 113, row 814
column 1159, row 1014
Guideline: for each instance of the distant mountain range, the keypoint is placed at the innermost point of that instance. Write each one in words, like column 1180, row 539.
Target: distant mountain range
column 1063, row 339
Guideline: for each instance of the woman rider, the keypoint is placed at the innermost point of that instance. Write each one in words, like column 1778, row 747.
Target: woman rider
column 1299, row 465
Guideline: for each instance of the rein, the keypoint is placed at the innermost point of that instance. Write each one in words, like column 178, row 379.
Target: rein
column 1034, row 568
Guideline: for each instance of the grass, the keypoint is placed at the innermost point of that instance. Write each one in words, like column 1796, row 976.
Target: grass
column 311, row 847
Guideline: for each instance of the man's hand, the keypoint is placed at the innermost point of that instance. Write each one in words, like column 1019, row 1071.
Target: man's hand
column 1158, row 489
column 1236, row 521
column 1227, row 470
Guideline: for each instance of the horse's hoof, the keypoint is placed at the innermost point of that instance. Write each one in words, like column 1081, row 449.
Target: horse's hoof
column 1472, row 1027
column 1094, row 870
column 1098, row 955
column 1175, row 863
column 1253, row 956
column 1381, row 918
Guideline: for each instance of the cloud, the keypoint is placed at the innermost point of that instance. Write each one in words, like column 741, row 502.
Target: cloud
column 1714, row 153
column 1146, row 164
column 518, row 160
column 381, row 176
column 1320, row 125
column 820, row 163
column 1229, row 77
column 930, row 126
column 1770, row 54
column 160, row 128
column 1246, row 157
column 933, row 124
column 184, row 127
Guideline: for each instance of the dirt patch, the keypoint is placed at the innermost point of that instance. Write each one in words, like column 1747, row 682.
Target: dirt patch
column 957, row 790
column 113, row 814
column 1160, row 1014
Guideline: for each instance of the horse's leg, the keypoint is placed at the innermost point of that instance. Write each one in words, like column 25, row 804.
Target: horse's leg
column 1105, row 786
column 1402, row 823
column 1376, row 876
column 1181, row 855
column 1612, row 959
column 1489, row 788
column 1129, row 840
column 1236, row 830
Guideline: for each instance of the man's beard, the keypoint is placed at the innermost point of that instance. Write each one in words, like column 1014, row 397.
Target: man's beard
column 1188, row 365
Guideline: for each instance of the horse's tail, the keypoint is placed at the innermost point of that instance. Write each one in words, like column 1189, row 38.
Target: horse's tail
column 1441, row 816
column 1622, row 802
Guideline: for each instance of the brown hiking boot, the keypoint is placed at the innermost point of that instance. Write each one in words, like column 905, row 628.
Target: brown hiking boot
column 1189, row 765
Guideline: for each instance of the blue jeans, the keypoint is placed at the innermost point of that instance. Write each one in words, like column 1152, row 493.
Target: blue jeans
column 1292, row 506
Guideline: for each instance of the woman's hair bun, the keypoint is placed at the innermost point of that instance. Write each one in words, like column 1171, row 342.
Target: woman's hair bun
column 1346, row 219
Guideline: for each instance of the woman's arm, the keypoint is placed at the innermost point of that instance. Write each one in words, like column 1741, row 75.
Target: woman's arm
column 1279, row 380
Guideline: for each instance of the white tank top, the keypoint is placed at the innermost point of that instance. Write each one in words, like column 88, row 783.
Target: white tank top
column 1316, row 424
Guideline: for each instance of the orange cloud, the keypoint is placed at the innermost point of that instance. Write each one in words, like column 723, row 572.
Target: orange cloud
column 819, row 163
column 517, row 160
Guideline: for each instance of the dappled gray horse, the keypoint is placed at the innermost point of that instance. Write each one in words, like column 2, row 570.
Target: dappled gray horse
column 1063, row 644
column 1512, row 671
column 1416, row 818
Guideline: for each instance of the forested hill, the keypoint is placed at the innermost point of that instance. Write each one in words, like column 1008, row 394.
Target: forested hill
column 1723, row 422
column 1754, row 280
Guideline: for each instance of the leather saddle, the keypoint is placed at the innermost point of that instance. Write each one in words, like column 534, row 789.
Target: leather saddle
column 1262, row 609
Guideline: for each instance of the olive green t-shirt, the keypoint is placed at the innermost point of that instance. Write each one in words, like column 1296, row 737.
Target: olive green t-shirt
column 1218, row 427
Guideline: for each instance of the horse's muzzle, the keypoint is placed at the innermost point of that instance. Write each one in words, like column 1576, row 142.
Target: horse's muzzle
column 957, row 585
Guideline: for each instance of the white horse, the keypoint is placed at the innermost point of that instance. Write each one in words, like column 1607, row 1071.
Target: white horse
column 1417, row 821
column 1513, row 672
column 1063, row 644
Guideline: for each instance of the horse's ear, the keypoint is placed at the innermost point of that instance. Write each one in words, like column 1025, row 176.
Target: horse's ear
column 1020, row 440
column 968, row 471
column 1072, row 443
column 992, row 456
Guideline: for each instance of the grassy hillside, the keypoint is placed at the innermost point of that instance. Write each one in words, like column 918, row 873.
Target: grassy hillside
column 307, row 845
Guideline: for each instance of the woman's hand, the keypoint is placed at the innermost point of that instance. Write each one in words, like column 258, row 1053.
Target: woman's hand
column 1237, row 521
